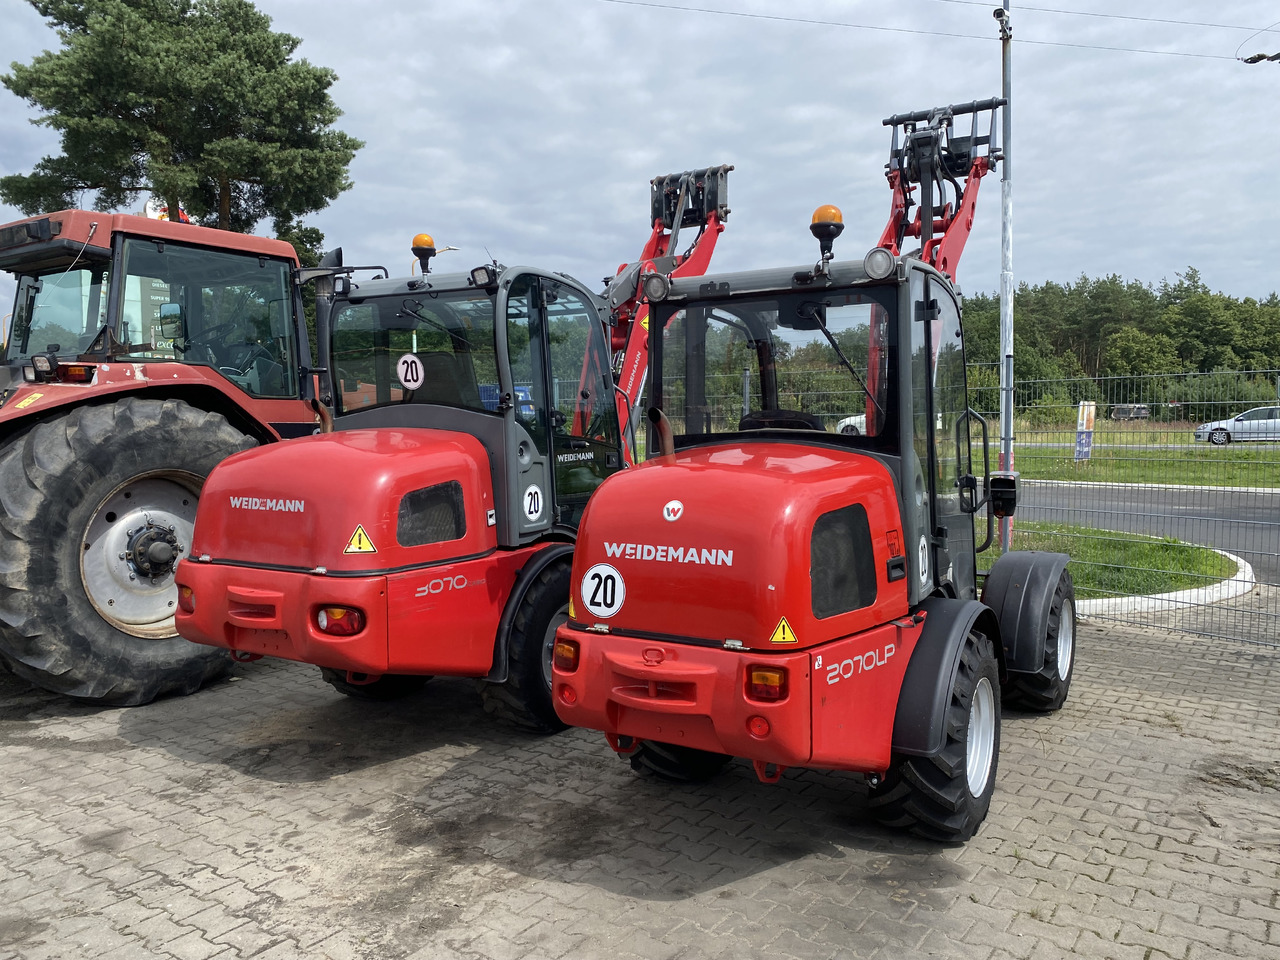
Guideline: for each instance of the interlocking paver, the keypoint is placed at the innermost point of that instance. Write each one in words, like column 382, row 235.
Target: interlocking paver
column 270, row 817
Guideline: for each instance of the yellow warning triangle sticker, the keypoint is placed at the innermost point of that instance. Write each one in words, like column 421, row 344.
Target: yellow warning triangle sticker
column 783, row 633
column 360, row 542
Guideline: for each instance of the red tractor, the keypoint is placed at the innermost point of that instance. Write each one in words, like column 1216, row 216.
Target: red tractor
column 793, row 580
column 431, row 533
column 140, row 353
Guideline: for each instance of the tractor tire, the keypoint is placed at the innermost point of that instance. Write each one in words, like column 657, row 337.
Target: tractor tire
column 1046, row 690
column 1219, row 438
column 388, row 687
column 946, row 797
column 95, row 508
column 524, row 698
column 669, row 761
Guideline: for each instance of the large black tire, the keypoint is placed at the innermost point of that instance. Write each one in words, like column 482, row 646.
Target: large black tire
column 524, row 698
column 670, row 761
column 79, row 494
column 946, row 797
column 389, row 686
column 1046, row 690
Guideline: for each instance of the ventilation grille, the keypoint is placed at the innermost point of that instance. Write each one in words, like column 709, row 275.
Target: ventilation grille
column 431, row 515
column 842, row 571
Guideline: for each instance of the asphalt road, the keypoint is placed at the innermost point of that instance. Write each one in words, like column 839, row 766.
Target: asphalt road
column 1240, row 522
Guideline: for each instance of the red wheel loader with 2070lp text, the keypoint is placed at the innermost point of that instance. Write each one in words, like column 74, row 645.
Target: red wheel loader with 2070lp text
column 793, row 580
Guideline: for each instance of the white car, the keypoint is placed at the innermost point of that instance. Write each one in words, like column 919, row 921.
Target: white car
column 1260, row 423
column 854, row 426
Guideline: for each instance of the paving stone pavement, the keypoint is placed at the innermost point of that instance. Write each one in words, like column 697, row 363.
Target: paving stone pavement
column 270, row 817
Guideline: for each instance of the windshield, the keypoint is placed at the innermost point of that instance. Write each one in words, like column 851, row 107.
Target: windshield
column 59, row 311
column 428, row 348
column 807, row 361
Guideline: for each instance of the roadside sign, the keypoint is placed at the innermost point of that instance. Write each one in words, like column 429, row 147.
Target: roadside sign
column 1085, row 415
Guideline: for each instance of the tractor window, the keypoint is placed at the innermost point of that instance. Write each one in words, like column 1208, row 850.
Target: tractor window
column 524, row 338
column 811, row 362
column 61, row 311
column 229, row 311
column 435, row 348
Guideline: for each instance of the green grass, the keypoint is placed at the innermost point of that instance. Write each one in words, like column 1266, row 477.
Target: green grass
column 1237, row 465
column 1106, row 563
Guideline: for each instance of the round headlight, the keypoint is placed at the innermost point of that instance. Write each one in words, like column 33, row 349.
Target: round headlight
column 655, row 287
column 879, row 264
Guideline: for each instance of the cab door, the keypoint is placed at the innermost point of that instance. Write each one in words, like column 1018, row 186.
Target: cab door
column 585, row 435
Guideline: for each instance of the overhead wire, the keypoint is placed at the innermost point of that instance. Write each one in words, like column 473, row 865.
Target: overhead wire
column 914, row 30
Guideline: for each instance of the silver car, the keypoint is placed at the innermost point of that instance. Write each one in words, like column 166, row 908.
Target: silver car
column 1260, row 423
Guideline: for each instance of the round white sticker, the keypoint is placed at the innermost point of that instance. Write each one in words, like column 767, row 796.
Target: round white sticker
column 673, row 510
column 603, row 590
column 409, row 370
column 532, row 501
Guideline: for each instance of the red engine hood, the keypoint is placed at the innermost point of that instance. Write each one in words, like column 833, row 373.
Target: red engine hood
column 336, row 501
column 715, row 544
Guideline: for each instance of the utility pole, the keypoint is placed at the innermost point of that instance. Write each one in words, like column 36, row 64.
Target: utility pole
column 1006, row 264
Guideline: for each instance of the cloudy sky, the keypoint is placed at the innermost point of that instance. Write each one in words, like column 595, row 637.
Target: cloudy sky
column 529, row 129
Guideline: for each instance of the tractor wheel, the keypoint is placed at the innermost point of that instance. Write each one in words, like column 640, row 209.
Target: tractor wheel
column 946, row 797
column 1219, row 438
column 1046, row 690
column 679, row 764
column 389, row 686
column 524, row 698
column 97, row 506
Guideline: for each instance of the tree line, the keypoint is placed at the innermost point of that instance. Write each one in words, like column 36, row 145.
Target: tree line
column 1109, row 327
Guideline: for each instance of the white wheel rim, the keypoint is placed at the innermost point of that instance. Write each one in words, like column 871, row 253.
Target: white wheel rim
column 136, row 604
column 980, row 748
column 1066, row 639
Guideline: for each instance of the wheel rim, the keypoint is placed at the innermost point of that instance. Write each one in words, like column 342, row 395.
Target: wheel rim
column 981, row 741
column 123, row 564
column 549, row 641
column 1066, row 638
column 1218, row 436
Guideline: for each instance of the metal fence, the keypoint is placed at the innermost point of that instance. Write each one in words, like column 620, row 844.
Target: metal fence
column 1126, row 498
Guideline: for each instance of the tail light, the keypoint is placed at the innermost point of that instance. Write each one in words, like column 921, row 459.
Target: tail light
column 75, row 373
column 186, row 599
column 767, row 683
column 340, row 621
column 566, row 655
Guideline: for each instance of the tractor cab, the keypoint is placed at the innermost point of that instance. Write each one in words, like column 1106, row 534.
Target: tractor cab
column 514, row 357
column 865, row 359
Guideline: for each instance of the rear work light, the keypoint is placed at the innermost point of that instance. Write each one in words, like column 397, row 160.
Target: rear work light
column 566, row 655
column 186, row 600
column 340, row 621
column 767, row 683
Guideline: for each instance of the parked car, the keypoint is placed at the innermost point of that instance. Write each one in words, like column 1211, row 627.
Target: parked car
column 1130, row 411
column 854, row 426
column 1260, row 423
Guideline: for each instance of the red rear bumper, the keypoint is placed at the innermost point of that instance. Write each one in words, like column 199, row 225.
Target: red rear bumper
column 272, row 613
column 838, row 712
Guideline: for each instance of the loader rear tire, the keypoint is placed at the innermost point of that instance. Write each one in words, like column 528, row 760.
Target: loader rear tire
column 1046, row 690
column 946, row 797
column 669, row 761
column 388, row 687
column 84, row 499
column 524, row 698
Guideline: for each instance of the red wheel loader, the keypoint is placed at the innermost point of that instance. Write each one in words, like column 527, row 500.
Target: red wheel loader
column 793, row 580
column 431, row 532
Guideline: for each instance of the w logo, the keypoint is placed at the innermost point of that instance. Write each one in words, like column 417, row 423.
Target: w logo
column 673, row 510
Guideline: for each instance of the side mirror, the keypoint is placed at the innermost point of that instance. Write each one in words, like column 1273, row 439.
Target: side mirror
column 171, row 320
column 1002, row 489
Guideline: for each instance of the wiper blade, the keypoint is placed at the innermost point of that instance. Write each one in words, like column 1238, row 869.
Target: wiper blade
column 822, row 325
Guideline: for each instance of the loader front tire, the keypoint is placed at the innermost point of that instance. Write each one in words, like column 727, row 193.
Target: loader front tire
column 95, row 508
column 524, row 698
column 1046, row 690
column 946, row 797
column 670, row 761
